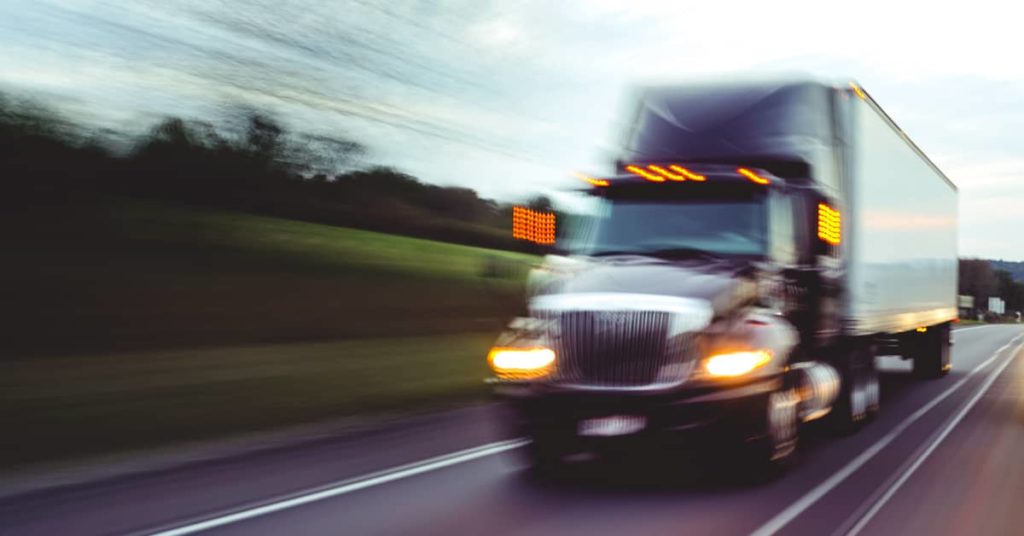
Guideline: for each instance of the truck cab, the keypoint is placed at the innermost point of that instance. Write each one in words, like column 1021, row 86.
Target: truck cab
column 680, row 299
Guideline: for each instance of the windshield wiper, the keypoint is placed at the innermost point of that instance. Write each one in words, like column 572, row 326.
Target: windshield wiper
column 683, row 253
column 614, row 252
column 664, row 253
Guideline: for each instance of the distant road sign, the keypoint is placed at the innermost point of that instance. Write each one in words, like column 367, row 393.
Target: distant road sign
column 997, row 305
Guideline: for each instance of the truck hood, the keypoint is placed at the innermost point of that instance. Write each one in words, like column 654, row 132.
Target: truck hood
column 725, row 289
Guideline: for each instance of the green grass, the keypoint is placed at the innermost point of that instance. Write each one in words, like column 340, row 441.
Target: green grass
column 131, row 324
column 84, row 405
column 296, row 244
column 126, row 275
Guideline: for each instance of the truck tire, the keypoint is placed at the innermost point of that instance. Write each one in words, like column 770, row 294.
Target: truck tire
column 859, row 393
column 768, row 457
column 931, row 352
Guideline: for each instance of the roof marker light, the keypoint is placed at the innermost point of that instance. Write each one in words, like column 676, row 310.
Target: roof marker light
column 645, row 174
column 591, row 180
column 754, row 177
column 666, row 173
column 687, row 173
column 860, row 92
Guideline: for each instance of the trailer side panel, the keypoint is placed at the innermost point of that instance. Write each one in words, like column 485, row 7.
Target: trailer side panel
column 902, row 230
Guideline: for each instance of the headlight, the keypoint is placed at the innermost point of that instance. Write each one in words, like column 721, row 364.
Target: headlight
column 521, row 363
column 736, row 363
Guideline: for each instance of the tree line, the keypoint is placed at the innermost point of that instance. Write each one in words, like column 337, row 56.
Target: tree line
column 247, row 161
column 980, row 280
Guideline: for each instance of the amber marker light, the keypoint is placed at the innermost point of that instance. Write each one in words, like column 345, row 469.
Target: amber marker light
column 830, row 226
column 922, row 329
column 736, row 363
column 754, row 177
column 687, row 173
column 591, row 180
column 510, row 363
column 666, row 173
column 860, row 92
column 533, row 226
column 653, row 177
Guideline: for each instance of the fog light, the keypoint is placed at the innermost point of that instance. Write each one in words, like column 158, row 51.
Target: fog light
column 736, row 363
column 521, row 363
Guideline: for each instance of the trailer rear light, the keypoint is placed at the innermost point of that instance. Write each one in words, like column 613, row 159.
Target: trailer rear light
column 591, row 180
column 754, row 177
column 829, row 225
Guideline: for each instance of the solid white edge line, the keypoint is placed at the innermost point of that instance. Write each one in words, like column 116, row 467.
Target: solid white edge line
column 348, row 486
column 790, row 513
column 969, row 328
column 909, row 471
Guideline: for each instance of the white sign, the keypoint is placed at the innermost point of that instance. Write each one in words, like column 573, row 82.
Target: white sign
column 997, row 305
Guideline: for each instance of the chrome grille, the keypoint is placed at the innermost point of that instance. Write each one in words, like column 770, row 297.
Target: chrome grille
column 611, row 348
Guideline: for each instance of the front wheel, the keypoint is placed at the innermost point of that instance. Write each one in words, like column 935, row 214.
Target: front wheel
column 769, row 456
column 859, row 393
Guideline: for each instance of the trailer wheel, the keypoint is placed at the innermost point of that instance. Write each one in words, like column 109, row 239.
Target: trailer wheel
column 858, row 393
column 874, row 390
column 931, row 353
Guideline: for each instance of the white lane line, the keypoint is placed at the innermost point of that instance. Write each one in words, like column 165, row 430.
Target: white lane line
column 909, row 471
column 790, row 513
column 961, row 330
column 348, row 486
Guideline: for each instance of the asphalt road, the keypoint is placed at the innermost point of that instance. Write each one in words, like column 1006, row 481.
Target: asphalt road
column 944, row 457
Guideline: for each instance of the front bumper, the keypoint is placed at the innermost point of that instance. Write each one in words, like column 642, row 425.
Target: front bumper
column 733, row 413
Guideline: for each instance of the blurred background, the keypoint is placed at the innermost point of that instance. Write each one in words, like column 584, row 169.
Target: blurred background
column 223, row 217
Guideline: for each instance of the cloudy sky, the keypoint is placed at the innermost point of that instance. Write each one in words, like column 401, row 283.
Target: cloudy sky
column 509, row 97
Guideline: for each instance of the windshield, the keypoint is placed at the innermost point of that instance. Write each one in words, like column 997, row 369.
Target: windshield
column 677, row 227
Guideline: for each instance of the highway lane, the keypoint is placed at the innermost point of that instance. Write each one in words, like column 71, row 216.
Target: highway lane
column 967, row 477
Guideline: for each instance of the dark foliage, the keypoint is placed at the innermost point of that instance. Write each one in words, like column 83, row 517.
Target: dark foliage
column 1016, row 268
column 249, row 163
column 981, row 279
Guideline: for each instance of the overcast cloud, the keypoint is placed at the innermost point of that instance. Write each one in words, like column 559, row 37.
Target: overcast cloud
column 509, row 97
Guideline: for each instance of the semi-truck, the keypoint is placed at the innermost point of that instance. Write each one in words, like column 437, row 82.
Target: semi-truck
column 756, row 246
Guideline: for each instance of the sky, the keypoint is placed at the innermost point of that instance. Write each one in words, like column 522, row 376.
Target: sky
column 511, row 97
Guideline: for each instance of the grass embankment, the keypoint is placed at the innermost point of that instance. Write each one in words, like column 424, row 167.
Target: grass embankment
column 133, row 324
column 76, row 406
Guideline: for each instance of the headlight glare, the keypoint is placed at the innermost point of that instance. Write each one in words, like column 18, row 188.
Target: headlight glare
column 521, row 363
column 735, row 364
